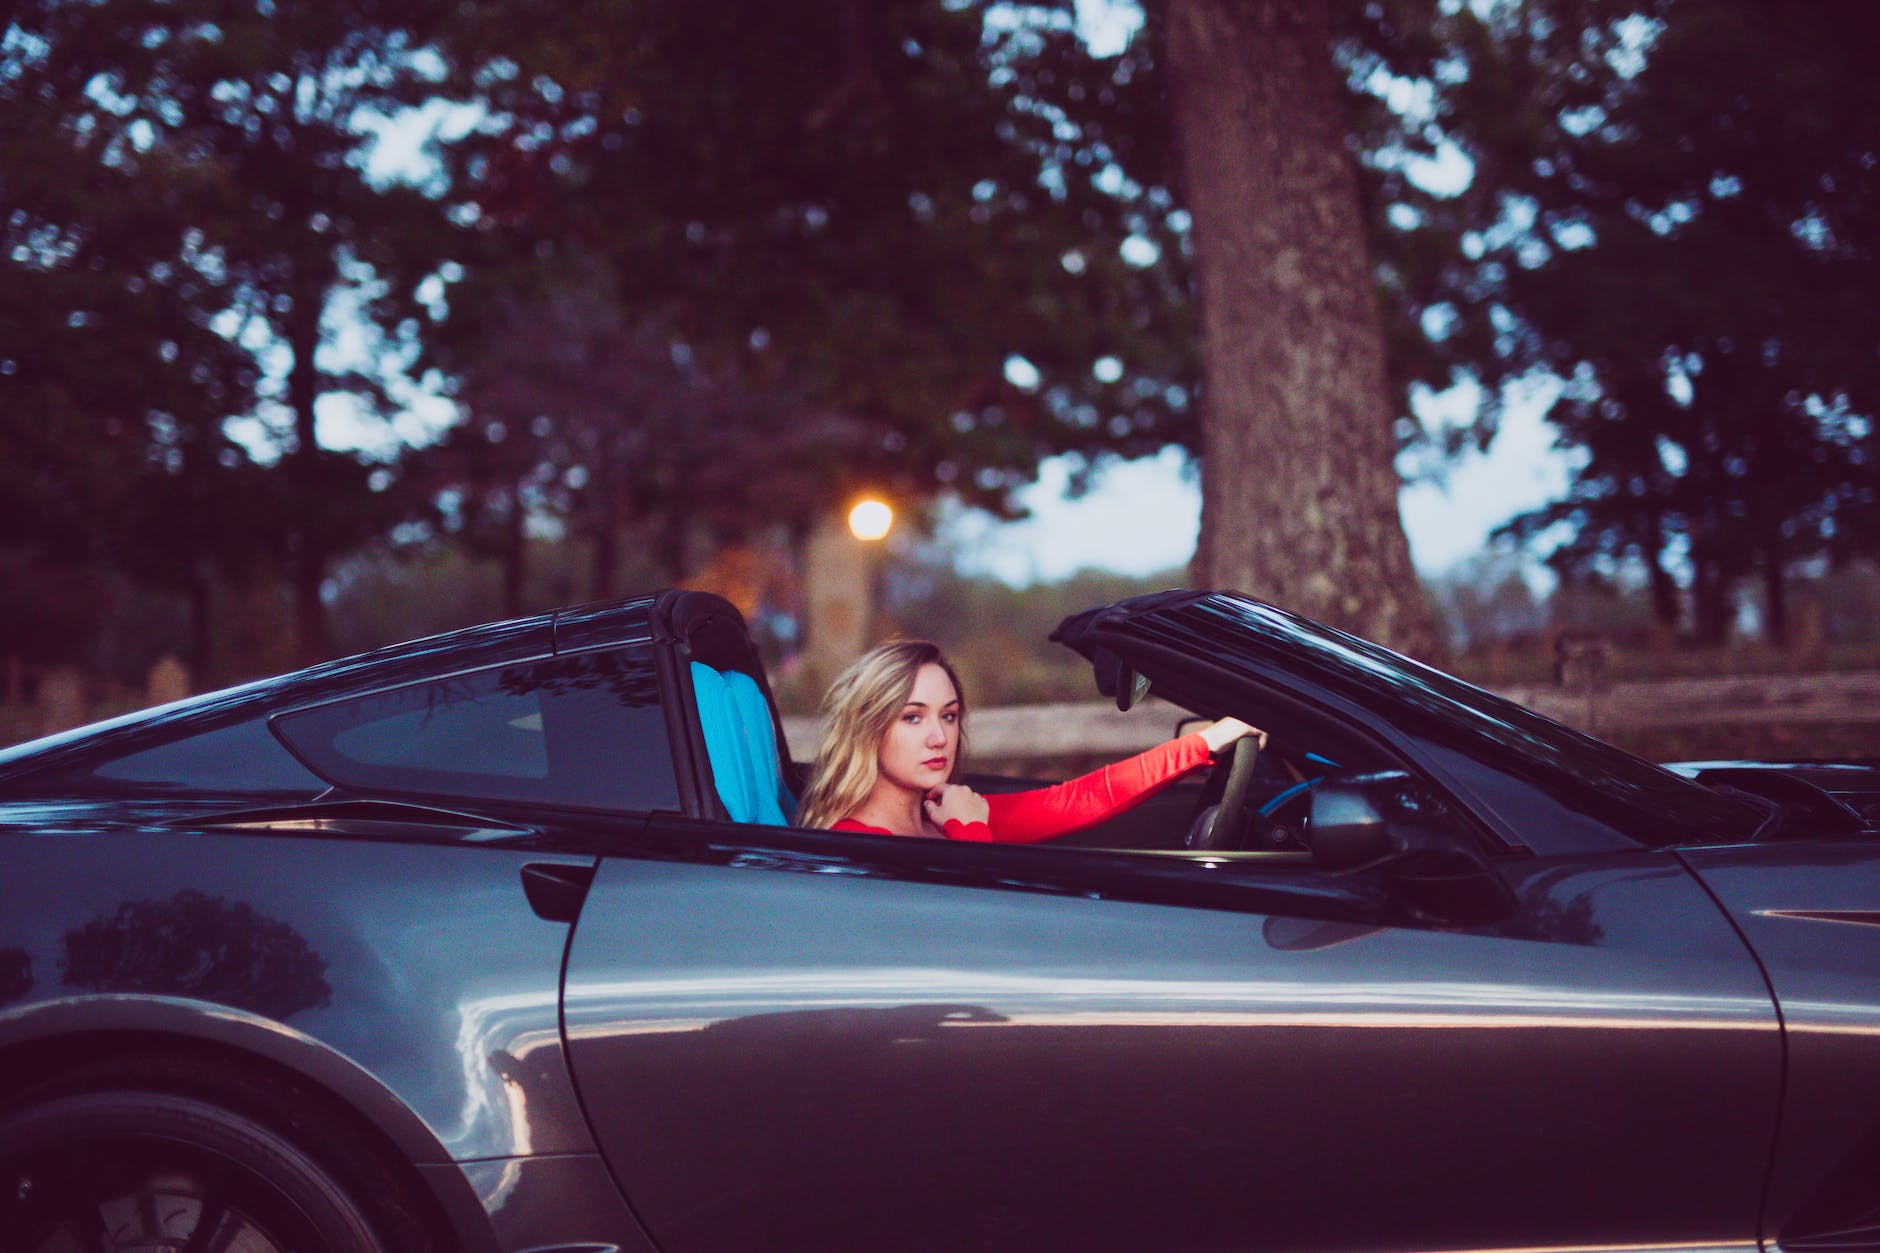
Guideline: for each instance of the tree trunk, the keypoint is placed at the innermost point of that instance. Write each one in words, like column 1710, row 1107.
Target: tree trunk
column 604, row 556
column 201, row 593
column 1710, row 599
column 1664, row 588
column 1775, row 593
column 308, row 556
column 1298, row 468
column 515, row 551
column 674, row 549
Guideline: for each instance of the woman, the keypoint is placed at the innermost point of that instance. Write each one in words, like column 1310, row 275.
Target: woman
column 894, row 737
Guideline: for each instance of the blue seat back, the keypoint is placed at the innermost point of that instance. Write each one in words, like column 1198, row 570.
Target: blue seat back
column 741, row 742
column 760, row 739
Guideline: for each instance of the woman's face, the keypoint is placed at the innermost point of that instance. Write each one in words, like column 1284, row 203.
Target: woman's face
column 917, row 752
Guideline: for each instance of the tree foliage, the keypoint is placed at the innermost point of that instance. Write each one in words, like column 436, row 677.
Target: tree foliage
column 576, row 414
column 953, row 225
column 1693, row 251
column 686, row 276
column 207, row 162
column 872, row 206
column 118, row 381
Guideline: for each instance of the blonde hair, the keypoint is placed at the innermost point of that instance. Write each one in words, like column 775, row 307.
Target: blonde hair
column 857, row 711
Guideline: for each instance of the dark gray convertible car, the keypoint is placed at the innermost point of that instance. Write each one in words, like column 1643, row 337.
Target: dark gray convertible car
column 501, row 941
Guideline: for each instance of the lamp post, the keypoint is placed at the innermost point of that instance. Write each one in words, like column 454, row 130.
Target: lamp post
column 841, row 567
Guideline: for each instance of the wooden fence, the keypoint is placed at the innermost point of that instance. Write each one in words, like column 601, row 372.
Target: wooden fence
column 1850, row 697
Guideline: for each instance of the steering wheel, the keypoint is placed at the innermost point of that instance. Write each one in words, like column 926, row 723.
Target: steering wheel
column 1216, row 827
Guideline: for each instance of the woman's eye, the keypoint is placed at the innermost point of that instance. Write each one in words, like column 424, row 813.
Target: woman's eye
column 950, row 716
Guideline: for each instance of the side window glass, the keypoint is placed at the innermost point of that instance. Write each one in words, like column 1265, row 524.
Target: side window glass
column 242, row 759
column 583, row 730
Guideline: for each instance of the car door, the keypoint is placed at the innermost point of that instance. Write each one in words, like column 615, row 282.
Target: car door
column 1811, row 909
column 796, row 1040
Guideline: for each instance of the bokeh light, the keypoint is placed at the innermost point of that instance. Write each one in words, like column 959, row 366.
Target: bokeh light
column 870, row 520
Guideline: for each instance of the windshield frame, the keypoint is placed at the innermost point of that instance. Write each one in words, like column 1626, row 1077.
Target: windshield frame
column 1449, row 718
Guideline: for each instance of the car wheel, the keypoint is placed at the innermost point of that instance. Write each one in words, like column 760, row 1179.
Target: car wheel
column 149, row 1172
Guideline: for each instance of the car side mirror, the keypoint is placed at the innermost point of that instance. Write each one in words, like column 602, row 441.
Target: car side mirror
column 1390, row 823
column 1347, row 828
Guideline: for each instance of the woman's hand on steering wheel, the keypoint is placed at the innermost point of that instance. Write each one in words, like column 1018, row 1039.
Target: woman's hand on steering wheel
column 1220, row 826
column 1230, row 730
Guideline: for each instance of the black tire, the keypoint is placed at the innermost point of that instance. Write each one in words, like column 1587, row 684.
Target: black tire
column 152, row 1172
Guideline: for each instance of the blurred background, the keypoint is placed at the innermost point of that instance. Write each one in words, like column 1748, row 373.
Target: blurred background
column 1509, row 332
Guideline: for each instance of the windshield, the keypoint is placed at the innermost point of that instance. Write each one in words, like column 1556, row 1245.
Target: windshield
column 1644, row 801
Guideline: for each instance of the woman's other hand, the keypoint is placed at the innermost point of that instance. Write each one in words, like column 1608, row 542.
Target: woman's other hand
column 952, row 802
column 1220, row 734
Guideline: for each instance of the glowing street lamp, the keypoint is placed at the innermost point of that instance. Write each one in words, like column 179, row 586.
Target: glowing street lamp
column 870, row 520
column 841, row 584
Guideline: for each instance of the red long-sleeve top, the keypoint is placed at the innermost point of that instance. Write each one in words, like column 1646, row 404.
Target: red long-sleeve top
column 1048, row 812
